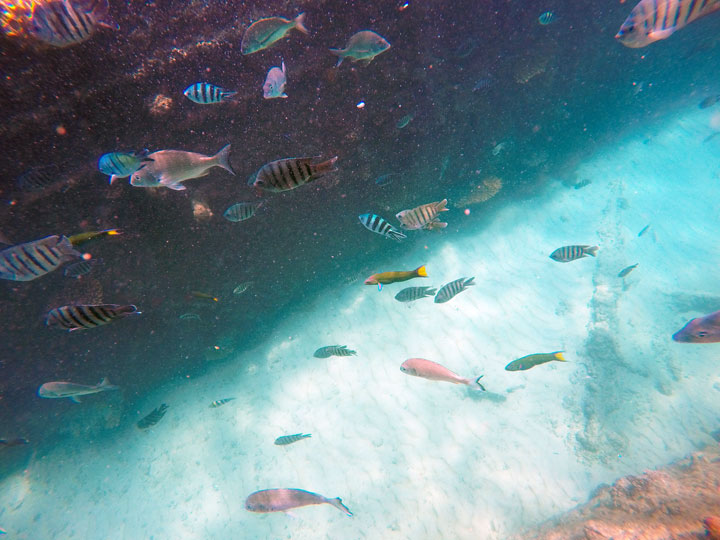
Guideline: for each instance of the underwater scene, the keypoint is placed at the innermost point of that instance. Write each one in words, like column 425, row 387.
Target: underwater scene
column 398, row 269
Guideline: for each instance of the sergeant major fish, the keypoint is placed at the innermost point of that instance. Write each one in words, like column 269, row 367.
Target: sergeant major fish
column 363, row 46
column 60, row 389
column 333, row 350
column 700, row 330
column 81, row 317
column 427, row 369
column 379, row 226
column 532, row 360
column 171, row 167
column 204, row 93
column 122, row 164
column 410, row 294
column 220, row 402
column 31, row 260
column 153, row 418
column 263, row 33
column 80, row 268
column 62, row 23
column 572, row 253
column 241, row 211
column 289, row 439
column 424, row 216
column 447, row 292
column 41, row 178
column 275, row 82
column 384, row 278
column 284, row 499
column 289, row 173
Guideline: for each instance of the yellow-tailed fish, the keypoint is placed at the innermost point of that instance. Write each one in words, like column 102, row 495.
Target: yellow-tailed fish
column 81, row 238
column 532, row 360
column 203, row 296
column 383, row 278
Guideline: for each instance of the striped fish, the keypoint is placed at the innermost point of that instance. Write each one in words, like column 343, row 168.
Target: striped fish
column 153, row 418
column 62, row 23
column 289, row 439
column 289, row 173
column 378, row 225
column 79, row 268
column 333, row 350
column 448, row 291
column 220, row 402
column 31, row 260
column 571, row 253
column 653, row 20
column 423, row 217
column 204, row 93
column 122, row 164
column 87, row 316
column 241, row 211
column 41, row 178
column 410, row 294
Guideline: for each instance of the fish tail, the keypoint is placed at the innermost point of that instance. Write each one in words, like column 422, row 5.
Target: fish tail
column 222, row 158
column 65, row 246
column 112, row 232
column 105, row 385
column 325, row 167
column 337, row 503
column 340, row 53
column 441, row 206
column 469, row 282
column 300, row 23
column 592, row 251
column 477, row 381
column 559, row 356
column 421, row 271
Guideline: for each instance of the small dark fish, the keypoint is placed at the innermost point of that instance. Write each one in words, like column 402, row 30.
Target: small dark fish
column 644, row 230
column 466, row 48
column 572, row 253
column 189, row 317
column 241, row 211
column 380, row 226
column 31, row 260
column 9, row 443
column 80, row 268
column 532, row 360
column 546, row 18
column 40, row 178
column 289, row 439
column 289, row 173
column 583, row 183
column 204, row 93
column 404, row 121
column 384, row 179
column 62, row 23
column 153, row 418
column 709, row 101
column 81, row 317
column 203, row 296
column 333, row 350
column 410, row 294
column 220, row 402
column 81, row 238
column 483, row 83
column 625, row 271
column 448, row 291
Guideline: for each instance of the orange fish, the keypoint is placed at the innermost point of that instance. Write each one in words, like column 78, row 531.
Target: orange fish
column 419, row 367
column 712, row 525
column 384, row 278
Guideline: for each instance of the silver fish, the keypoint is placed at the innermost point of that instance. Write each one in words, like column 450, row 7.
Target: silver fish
column 275, row 82
column 31, row 260
column 289, row 439
column 423, row 217
column 410, row 294
column 289, row 173
column 242, row 287
column 62, row 23
column 241, row 211
column 81, row 317
column 379, row 226
column 572, row 253
column 80, row 268
column 362, row 46
column 333, row 350
column 60, row 389
column 220, row 402
column 448, row 291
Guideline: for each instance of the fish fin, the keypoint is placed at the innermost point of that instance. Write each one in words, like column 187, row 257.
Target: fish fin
column 282, row 67
column 75, row 399
column 442, row 206
column 283, row 95
column 477, row 381
column 469, row 282
column 592, row 251
column 105, row 385
column 337, row 503
column 222, row 159
column 300, row 23
column 113, row 178
column 559, row 356
column 379, row 286
column 421, row 271
column 340, row 53
column 323, row 168
column 177, row 186
column 657, row 35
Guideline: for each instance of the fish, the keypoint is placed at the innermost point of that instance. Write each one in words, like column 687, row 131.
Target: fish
column 204, row 93
column 384, row 179
column 583, row 183
column 362, row 46
column 84, row 316
column 711, row 136
column 546, row 18
column 704, row 329
column 61, row 389
column 709, row 101
column 483, row 83
column 289, row 439
column 263, row 33
column 220, row 402
column 41, row 178
column 654, row 20
column 31, row 260
column 379, row 226
column 643, row 230
column 466, row 48
column 499, row 147
column 384, row 278
column 532, row 360
column 241, row 211
column 404, row 121
column 80, row 268
column 275, row 82
column 171, row 167
column 242, row 287
column 62, row 23
column 572, row 253
column 281, row 500
column 9, row 443
column 189, row 317
column 410, row 294
column 81, row 238
column 333, row 350
column 122, row 164
column 448, row 291
column 422, row 216
column 427, row 369
column 203, row 296
column 289, row 173
column 625, row 271
column 153, row 418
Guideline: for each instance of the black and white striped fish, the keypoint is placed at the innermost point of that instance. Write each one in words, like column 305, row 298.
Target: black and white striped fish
column 220, row 402
column 424, row 216
column 378, row 225
column 153, row 418
column 410, row 294
column 85, row 316
column 28, row 261
column 80, row 268
column 333, row 350
column 241, row 211
column 289, row 439
column 449, row 290
column 571, row 253
column 62, row 23
column 289, row 173
column 204, row 93
column 41, row 178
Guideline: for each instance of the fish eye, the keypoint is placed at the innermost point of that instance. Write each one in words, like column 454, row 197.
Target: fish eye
column 701, row 334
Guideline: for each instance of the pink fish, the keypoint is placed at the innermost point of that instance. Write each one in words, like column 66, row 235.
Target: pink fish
column 281, row 500
column 419, row 367
column 700, row 330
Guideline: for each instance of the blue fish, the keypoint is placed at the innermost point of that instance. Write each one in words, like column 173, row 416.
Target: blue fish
column 62, row 23
column 204, row 93
column 546, row 18
column 122, row 164
column 28, row 261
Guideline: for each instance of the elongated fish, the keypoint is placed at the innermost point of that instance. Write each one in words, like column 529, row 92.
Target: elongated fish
column 289, row 439
column 423, row 217
column 220, row 402
column 625, row 271
column 204, row 93
column 263, row 33
column 31, row 260
column 242, row 287
column 572, row 253
column 241, row 211
column 532, row 360
column 281, row 500
column 379, row 226
column 62, row 23
column 153, row 418
column 362, row 46
column 333, row 350
column 653, row 20
column 81, row 317
column 289, row 173
column 410, row 294
column 427, row 369
column 383, row 278
column 447, row 292
column 81, row 238
column 60, row 389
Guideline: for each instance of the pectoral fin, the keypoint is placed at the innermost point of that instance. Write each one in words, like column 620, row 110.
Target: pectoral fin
column 657, row 35
column 75, row 399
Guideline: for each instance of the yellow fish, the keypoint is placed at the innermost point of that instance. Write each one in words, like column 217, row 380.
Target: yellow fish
column 532, row 360
column 384, row 278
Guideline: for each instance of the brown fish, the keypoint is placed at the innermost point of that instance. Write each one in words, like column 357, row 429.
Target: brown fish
column 281, row 500
column 383, row 278
column 419, row 367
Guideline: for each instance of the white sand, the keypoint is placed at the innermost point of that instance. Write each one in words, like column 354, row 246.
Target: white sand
column 427, row 460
